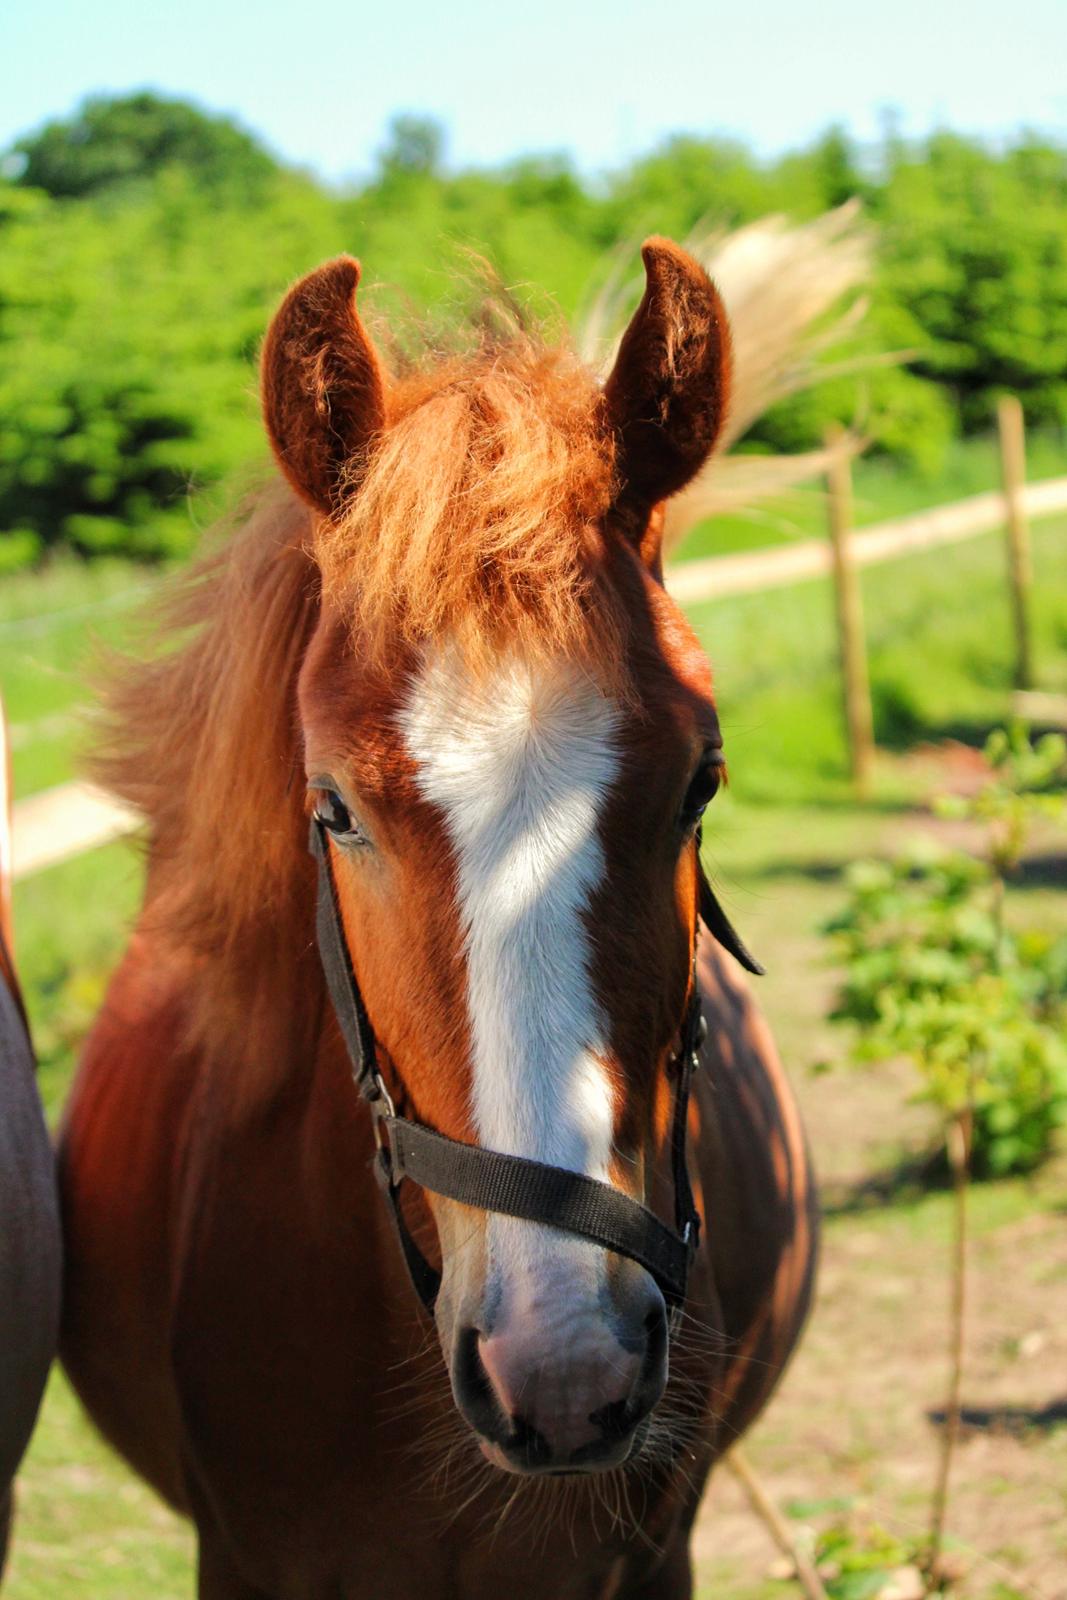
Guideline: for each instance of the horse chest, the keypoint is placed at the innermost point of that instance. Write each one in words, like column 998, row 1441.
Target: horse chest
column 321, row 1437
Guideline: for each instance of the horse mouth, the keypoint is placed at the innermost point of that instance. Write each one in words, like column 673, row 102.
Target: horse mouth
column 527, row 1454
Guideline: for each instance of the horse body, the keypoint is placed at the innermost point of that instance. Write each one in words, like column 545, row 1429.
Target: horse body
column 508, row 737
column 241, row 1327
column 29, row 1213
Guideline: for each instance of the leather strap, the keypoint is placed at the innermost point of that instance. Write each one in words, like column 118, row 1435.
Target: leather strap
column 718, row 923
column 506, row 1184
column 516, row 1187
column 341, row 982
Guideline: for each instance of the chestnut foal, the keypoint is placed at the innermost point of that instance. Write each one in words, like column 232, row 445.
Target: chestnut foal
column 446, row 643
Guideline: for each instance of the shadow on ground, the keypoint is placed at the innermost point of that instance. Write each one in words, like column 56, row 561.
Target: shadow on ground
column 1046, row 870
column 908, row 1179
column 1015, row 1420
column 1042, row 871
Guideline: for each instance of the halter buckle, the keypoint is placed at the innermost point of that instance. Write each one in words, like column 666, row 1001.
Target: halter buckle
column 382, row 1111
column 380, row 1100
column 694, row 1031
column 385, row 1166
column 700, row 1033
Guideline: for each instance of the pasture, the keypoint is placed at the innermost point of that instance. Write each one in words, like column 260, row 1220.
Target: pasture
column 850, row 1437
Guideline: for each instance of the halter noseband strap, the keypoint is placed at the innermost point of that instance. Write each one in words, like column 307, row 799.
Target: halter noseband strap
column 513, row 1185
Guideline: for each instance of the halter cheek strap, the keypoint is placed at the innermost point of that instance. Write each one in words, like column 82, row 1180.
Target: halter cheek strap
column 512, row 1185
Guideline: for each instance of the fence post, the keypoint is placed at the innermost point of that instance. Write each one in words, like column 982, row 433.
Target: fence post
column 1013, row 476
column 852, row 645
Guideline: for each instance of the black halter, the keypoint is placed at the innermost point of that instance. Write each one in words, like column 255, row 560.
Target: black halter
column 513, row 1185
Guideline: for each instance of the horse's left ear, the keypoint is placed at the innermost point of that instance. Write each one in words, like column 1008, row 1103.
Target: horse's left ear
column 323, row 394
column 669, row 389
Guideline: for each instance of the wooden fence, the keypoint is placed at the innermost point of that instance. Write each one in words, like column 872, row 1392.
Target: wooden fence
column 74, row 817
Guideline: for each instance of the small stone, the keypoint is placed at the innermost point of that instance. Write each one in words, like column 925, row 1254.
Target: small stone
column 781, row 1570
column 1032, row 1344
column 951, row 1568
column 905, row 1583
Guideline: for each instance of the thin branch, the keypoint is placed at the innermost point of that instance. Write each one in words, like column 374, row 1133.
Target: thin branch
column 958, row 1140
column 775, row 1523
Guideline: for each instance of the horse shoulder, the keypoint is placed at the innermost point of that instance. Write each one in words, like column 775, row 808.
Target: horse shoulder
column 122, row 1148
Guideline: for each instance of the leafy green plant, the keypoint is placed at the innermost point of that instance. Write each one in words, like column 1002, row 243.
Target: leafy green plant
column 935, row 971
column 167, row 233
column 931, row 974
column 862, row 1561
column 112, row 141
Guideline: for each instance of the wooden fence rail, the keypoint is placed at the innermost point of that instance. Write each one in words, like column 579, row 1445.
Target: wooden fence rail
column 74, row 817
column 717, row 576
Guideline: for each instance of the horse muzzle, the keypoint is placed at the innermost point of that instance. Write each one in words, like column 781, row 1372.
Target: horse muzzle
column 562, row 1375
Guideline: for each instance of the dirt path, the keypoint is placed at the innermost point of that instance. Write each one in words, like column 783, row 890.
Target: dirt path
column 853, row 1433
column 60, row 823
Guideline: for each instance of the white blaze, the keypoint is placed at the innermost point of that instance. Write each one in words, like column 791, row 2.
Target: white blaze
column 520, row 764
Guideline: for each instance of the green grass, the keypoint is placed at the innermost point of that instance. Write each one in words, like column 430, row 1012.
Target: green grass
column 50, row 624
column 85, row 1527
column 72, row 922
column 940, row 657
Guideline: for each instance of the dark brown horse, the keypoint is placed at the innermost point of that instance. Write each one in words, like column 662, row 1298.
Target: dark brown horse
column 447, row 639
column 30, row 1267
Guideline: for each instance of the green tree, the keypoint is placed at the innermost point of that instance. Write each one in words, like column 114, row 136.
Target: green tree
column 127, row 369
column 112, row 141
column 975, row 257
column 415, row 145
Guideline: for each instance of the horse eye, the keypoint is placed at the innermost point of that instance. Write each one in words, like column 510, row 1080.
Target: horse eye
column 703, row 788
column 335, row 815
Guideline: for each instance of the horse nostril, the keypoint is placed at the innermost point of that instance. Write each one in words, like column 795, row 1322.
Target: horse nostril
column 614, row 1420
column 487, row 1409
column 656, row 1329
column 572, row 1403
column 472, row 1388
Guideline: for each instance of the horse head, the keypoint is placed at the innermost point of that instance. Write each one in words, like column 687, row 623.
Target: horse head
column 510, row 740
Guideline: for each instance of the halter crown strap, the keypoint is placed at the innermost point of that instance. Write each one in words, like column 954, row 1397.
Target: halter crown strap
column 490, row 1180
column 718, row 923
column 722, row 930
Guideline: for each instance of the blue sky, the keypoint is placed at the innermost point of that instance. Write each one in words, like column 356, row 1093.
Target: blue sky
column 602, row 80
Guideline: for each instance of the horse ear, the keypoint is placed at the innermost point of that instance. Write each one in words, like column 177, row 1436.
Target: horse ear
column 323, row 394
column 668, row 392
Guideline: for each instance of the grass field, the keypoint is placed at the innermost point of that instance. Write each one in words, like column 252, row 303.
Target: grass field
column 51, row 621
column 851, row 1432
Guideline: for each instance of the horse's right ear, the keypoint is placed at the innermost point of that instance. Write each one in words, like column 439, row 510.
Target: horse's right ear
column 323, row 394
column 668, row 393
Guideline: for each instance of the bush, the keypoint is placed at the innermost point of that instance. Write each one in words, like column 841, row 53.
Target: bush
column 114, row 141
column 143, row 242
column 934, row 971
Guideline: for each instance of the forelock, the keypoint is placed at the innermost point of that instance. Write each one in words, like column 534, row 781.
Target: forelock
column 480, row 514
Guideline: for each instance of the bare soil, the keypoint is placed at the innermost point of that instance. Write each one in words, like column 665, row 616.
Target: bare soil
column 853, row 1431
